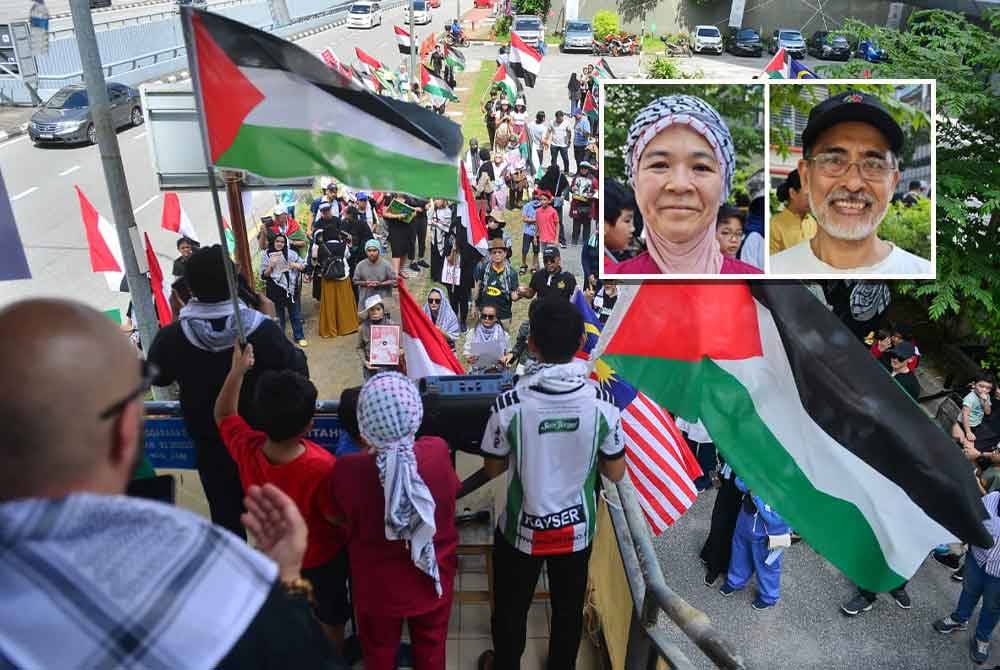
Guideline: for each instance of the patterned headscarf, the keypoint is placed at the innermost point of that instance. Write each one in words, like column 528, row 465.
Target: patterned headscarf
column 389, row 414
column 689, row 110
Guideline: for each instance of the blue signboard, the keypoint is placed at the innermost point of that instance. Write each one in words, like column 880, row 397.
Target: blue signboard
column 169, row 446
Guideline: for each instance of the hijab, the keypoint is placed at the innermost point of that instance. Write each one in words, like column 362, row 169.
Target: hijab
column 446, row 319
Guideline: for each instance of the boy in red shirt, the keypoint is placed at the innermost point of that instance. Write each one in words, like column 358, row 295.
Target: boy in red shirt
column 280, row 455
column 547, row 220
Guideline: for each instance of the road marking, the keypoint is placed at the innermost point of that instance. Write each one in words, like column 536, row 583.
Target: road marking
column 140, row 136
column 146, row 204
column 24, row 193
column 20, row 139
column 69, row 170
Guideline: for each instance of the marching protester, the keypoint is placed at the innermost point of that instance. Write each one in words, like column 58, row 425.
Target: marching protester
column 285, row 224
column 374, row 275
column 583, row 193
column 331, row 257
column 185, row 247
column 573, row 86
column 282, row 271
column 496, row 282
column 536, row 135
column 401, row 237
column 551, row 280
column 557, row 185
column 558, row 138
column 582, row 135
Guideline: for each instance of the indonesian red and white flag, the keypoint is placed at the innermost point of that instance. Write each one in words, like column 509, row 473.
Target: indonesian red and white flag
column 175, row 219
column 163, row 311
column 474, row 225
column 427, row 352
column 102, row 240
column 525, row 61
column 369, row 64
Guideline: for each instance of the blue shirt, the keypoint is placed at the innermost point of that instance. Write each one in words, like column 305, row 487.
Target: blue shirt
column 581, row 131
column 530, row 228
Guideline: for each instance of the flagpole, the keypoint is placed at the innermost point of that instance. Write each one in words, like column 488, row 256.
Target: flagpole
column 413, row 54
column 187, row 14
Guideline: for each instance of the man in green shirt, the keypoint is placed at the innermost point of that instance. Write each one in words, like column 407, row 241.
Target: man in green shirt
column 496, row 282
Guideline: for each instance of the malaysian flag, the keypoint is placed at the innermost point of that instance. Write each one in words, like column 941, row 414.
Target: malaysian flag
column 660, row 465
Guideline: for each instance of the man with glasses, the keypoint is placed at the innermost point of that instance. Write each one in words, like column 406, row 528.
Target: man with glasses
column 850, row 168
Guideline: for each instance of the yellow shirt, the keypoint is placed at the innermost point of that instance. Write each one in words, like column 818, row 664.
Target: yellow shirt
column 787, row 230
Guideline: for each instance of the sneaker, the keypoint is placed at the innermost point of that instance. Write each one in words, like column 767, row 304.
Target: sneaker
column 303, row 343
column 948, row 625
column 562, row 245
column 796, row 538
column 857, row 605
column 759, row 604
column 727, row 590
column 415, row 266
column 711, row 578
column 952, row 561
column 979, row 650
column 422, row 263
column 901, row 597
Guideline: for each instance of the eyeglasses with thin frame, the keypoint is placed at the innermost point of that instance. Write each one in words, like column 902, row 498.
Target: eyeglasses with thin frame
column 835, row 164
column 732, row 234
column 149, row 373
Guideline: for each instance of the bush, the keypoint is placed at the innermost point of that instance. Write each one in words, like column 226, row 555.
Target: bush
column 677, row 39
column 663, row 67
column 502, row 27
column 909, row 227
column 605, row 23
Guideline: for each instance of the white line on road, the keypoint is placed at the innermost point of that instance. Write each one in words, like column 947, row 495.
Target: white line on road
column 24, row 193
column 20, row 139
column 139, row 136
column 145, row 204
column 69, row 170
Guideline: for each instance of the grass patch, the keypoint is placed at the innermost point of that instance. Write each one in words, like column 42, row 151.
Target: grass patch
column 473, row 123
column 553, row 38
column 652, row 44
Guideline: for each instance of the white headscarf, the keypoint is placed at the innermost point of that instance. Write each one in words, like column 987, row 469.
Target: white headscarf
column 389, row 414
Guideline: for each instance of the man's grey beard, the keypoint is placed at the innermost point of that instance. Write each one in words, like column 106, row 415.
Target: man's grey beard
column 854, row 233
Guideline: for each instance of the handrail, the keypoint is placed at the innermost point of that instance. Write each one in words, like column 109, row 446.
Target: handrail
column 114, row 24
column 651, row 595
column 176, row 52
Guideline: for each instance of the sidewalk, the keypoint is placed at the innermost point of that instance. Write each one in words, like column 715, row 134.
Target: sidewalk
column 14, row 121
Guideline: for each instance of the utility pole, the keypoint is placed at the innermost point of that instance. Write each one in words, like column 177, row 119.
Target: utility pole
column 114, row 175
column 415, row 77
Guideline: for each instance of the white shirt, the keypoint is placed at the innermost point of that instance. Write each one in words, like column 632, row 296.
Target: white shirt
column 536, row 131
column 561, row 133
column 753, row 251
column 800, row 259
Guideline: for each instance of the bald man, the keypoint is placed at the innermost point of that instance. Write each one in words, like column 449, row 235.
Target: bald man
column 118, row 581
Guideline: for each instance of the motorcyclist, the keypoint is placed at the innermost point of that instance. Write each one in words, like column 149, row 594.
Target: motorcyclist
column 456, row 31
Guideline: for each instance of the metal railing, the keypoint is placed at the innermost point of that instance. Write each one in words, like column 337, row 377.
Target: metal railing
column 135, row 62
column 114, row 24
column 651, row 595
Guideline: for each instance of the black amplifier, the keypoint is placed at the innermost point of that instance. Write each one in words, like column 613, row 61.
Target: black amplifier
column 457, row 408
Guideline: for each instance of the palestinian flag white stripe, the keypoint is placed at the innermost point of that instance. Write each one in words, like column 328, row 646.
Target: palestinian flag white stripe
column 403, row 40
column 435, row 86
column 475, row 228
column 525, row 62
column 175, row 219
column 506, row 81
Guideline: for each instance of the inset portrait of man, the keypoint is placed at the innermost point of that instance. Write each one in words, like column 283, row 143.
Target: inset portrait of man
column 849, row 170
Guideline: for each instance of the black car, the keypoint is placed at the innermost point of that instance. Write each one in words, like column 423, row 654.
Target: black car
column 828, row 46
column 66, row 116
column 746, row 42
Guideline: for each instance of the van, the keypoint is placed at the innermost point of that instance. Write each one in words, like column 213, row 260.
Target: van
column 421, row 12
column 364, row 15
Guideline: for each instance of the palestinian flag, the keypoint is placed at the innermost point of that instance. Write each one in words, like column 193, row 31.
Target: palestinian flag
column 605, row 69
column 435, row 85
column 506, row 82
column 403, row 40
column 230, row 240
column 365, row 80
column 475, row 228
column 426, row 351
column 454, row 58
column 369, row 64
column 271, row 108
column 524, row 61
column 778, row 67
column 102, row 242
column 805, row 415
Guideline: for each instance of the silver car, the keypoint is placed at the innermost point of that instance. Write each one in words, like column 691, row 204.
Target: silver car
column 530, row 29
column 65, row 118
column 579, row 35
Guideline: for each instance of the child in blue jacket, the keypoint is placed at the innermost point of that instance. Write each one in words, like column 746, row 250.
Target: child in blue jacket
column 759, row 541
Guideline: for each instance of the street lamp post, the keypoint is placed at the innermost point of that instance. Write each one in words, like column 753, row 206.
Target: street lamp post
column 413, row 54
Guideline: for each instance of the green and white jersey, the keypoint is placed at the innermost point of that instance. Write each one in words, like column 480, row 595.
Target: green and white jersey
column 553, row 441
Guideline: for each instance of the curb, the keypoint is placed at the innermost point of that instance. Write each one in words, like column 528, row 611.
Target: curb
column 13, row 131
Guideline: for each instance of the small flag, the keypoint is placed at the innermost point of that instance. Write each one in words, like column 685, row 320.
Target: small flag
column 605, row 68
column 163, row 311
column 369, row 64
column 334, row 64
column 454, row 58
column 13, row 262
column 474, row 226
column 102, row 241
column 399, row 207
column 175, row 219
column 365, row 80
column 778, row 67
column 426, row 351
column 799, row 71
column 435, row 85
column 524, row 61
column 506, row 81
column 588, row 103
column 427, row 46
column 230, row 240
column 403, row 40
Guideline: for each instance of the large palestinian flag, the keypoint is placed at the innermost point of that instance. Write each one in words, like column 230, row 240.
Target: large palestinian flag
column 524, row 61
column 271, row 108
column 435, row 85
column 804, row 414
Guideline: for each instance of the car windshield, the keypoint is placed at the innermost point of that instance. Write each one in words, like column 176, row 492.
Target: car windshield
column 68, row 98
column 789, row 35
column 526, row 24
column 419, row 5
column 708, row 32
column 361, row 9
column 577, row 27
column 839, row 40
column 747, row 35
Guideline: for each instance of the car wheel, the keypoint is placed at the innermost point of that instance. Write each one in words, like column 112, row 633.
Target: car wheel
column 136, row 116
column 91, row 134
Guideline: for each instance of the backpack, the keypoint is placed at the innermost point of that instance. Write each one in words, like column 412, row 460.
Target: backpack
column 335, row 266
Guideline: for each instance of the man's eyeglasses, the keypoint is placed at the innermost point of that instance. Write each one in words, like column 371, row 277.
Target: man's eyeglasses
column 872, row 168
column 488, row 317
column 433, row 301
column 149, row 373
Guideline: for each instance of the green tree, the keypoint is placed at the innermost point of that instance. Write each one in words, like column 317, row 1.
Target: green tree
column 739, row 104
column 962, row 56
column 605, row 23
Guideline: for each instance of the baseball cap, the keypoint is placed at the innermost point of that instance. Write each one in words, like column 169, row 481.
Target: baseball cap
column 852, row 106
column 585, row 164
column 373, row 244
column 362, row 196
column 903, row 350
column 551, row 252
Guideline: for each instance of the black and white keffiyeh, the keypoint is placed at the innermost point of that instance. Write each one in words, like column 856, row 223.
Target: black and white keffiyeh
column 389, row 414
column 668, row 110
column 196, row 321
column 93, row 581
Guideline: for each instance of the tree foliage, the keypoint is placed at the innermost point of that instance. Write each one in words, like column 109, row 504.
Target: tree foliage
column 605, row 23
column 537, row 7
column 739, row 104
column 961, row 56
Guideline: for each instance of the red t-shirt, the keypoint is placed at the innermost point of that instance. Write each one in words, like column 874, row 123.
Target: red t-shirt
column 304, row 479
column 644, row 264
column 547, row 219
column 384, row 579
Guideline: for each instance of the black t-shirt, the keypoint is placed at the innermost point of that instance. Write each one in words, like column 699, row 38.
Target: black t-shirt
column 545, row 284
column 910, row 384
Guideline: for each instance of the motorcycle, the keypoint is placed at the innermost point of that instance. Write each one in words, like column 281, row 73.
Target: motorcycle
column 601, row 48
column 462, row 40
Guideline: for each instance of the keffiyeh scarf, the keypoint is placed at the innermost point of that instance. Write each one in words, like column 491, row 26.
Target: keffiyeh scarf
column 556, row 377
column 389, row 414
column 196, row 322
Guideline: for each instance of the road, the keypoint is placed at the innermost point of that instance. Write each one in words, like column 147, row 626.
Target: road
column 40, row 182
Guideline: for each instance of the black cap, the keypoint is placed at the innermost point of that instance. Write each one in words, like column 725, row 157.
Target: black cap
column 852, row 106
column 551, row 252
column 903, row 351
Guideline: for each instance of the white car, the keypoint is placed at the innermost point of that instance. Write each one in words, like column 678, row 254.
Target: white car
column 364, row 15
column 421, row 12
column 707, row 38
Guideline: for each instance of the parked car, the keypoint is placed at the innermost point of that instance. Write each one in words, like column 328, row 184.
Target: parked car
column 530, row 29
column 707, row 38
column 435, row 4
column 791, row 40
column 364, row 15
column 99, row 4
column 482, row 4
column 421, row 12
column 578, row 35
column 828, row 46
column 870, row 51
column 746, row 42
column 66, row 116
